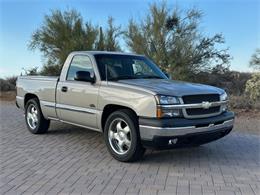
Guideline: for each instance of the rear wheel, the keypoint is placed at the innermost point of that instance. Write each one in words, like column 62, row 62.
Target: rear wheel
column 122, row 136
column 35, row 121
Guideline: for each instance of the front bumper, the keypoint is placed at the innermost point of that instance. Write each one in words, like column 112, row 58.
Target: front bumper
column 175, row 132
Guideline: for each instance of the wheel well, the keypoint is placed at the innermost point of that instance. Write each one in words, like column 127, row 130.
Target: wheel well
column 108, row 109
column 29, row 96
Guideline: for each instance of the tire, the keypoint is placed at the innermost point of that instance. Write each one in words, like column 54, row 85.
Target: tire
column 35, row 121
column 116, row 132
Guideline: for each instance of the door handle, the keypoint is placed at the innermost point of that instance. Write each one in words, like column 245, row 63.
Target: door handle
column 64, row 89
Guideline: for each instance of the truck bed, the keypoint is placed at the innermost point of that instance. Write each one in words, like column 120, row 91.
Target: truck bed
column 44, row 87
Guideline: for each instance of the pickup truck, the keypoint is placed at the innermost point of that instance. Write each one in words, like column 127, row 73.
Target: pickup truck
column 127, row 98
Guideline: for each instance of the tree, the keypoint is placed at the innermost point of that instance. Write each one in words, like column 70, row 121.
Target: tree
column 255, row 60
column 31, row 71
column 61, row 33
column 113, row 33
column 90, row 36
column 101, row 41
column 174, row 41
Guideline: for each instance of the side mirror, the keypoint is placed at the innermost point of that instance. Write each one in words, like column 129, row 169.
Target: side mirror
column 84, row 76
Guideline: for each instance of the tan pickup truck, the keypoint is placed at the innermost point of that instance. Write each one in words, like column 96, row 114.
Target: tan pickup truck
column 127, row 98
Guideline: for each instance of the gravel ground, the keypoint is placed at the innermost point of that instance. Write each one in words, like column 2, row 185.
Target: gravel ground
column 248, row 123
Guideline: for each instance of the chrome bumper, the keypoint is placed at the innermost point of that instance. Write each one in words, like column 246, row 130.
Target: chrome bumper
column 148, row 132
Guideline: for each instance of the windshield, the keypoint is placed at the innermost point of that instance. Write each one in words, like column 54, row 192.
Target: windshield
column 118, row 67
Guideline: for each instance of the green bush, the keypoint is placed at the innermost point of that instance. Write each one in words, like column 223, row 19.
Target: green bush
column 253, row 87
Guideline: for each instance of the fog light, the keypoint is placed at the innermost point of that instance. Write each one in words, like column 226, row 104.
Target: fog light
column 171, row 112
column 224, row 108
column 173, row 141
column 175, row 112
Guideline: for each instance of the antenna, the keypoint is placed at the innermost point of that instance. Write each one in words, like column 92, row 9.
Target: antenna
column 106, row 73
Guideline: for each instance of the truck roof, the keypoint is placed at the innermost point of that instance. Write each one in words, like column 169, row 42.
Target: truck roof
column 104, row 52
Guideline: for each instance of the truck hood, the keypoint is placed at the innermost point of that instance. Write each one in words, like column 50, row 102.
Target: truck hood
column 172, row 87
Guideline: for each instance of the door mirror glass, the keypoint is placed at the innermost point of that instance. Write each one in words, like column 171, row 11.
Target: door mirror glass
column 84, row 76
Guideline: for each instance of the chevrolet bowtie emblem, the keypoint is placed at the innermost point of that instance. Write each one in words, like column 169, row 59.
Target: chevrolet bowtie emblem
column 206, row 105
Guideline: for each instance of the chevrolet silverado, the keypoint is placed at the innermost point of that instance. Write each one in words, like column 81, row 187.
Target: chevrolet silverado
column 127, row 98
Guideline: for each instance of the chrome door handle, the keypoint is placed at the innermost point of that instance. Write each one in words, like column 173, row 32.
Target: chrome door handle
column 64, row 89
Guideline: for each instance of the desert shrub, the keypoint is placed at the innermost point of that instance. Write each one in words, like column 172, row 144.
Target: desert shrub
column 233, row 82
column 240, row 102
column 50, row 70
column 46, row 70
column 243, row 102
column 32, row 71
column 253, row 87
column 6, row 86
column 12, row 80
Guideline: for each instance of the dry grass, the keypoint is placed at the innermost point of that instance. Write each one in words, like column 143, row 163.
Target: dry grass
column 243, row 103
column 7, row 95
column 247, row 121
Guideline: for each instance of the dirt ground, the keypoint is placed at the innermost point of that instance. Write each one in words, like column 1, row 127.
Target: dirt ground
column 246, row 121
column 7, row 96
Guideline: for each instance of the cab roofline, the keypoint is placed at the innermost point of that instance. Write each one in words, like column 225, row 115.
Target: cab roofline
column 104, row 52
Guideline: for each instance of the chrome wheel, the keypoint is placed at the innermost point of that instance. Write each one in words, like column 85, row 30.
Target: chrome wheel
column 32, row 116
column 119, row 135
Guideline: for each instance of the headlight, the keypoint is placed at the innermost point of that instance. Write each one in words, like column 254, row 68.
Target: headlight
column 223, row 97
column 164, row 100
column 164, row 112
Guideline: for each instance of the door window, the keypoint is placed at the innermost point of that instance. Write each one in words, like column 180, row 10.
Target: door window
column 79, row 63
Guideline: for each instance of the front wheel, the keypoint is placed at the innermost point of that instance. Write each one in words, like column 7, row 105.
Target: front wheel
column 122, row 136
column 35, row 121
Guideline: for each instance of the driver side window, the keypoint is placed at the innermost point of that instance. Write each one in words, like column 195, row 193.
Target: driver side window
column 79, row 63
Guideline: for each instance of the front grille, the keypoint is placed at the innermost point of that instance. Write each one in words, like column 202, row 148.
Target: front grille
column 197, row 99
column 201, row 111
column 193, row 99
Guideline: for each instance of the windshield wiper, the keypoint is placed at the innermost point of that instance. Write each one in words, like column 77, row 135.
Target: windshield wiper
column 122, row 78
column 151, row 77
column 134, row 77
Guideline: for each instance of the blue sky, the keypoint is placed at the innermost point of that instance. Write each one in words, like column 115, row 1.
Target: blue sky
column 238, row 20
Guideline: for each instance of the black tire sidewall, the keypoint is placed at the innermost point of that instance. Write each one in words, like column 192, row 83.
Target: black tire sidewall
column 134, row 135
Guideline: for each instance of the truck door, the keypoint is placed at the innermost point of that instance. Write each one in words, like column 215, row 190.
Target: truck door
column 77, row 100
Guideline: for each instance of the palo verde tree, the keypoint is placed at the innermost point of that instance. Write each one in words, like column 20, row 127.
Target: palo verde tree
column 64, row 32
column 113, row 34
column 61, row 33
column 101, row 41
column 255, row 60
column 172, row 38
column 109, row 40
